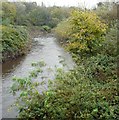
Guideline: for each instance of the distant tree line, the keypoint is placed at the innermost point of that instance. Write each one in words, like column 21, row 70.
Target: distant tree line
column 29, row 13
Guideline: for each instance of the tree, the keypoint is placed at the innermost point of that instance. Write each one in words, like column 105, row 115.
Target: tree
column 8, row 12
column 107, row 11
column 20, row 14
column 39, row 16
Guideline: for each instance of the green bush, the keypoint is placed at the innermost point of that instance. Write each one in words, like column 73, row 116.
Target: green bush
column 14, row 41
column 107, row 11
column 8, row 13
column 87, row 92
column 63, row 30
column 109, row 46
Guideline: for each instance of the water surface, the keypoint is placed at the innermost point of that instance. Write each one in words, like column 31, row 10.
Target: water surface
column 45, row 48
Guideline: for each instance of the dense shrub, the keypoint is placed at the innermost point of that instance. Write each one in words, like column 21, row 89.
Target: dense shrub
column 63, row 30
column 8, row 12
column 14, row 41
column 87, row 92
column 107, row 11
column 109, row 46
column 88, row 31
column 85, row 32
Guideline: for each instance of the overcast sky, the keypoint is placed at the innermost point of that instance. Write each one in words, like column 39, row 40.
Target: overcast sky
column 86, row 3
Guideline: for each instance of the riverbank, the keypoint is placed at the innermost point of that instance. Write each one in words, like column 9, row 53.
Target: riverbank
column 45, row 48
column 17, row 40
column 89, row 91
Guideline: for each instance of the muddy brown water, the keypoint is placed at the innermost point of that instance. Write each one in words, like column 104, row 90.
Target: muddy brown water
column 45, row 48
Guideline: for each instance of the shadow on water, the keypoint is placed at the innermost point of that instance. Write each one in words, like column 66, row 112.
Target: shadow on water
column 44, row 48
column 10, row 65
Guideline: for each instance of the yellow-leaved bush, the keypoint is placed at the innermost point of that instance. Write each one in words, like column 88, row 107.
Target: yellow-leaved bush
column 88, row 31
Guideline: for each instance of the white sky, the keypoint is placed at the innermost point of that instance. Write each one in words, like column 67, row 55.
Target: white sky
column 86, row 3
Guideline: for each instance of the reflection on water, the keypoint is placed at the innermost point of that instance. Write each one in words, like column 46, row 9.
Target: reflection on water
column 10, row 65
column 45, row 48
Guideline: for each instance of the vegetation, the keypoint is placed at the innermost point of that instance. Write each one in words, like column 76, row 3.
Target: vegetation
column 14, row 41
column 63, row 30
column 8, row 13
column 28, row 13
column 107, row 11
column 89, row 91
column 19, row 18
column 86, row 34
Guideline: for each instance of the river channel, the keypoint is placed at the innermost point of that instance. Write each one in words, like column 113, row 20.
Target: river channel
column 45, row 48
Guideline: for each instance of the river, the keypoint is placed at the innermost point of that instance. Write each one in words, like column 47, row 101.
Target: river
column 45, row 48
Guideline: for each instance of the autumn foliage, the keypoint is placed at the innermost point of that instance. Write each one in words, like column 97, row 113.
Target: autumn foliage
column 85, row 34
